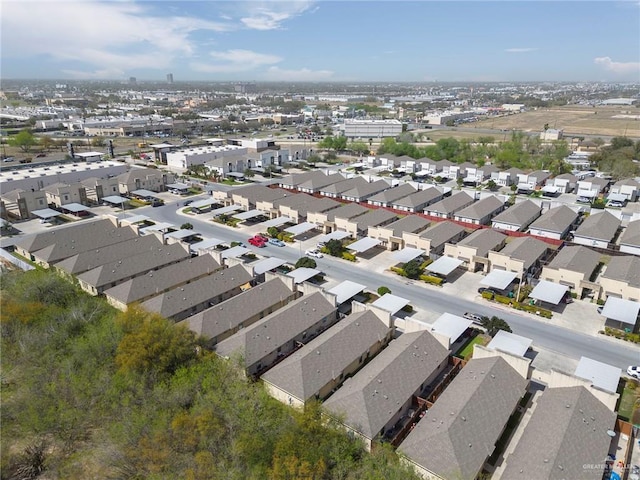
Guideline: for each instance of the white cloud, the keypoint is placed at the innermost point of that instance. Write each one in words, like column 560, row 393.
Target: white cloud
column 106, row 36
column 520, row 50
column 617, row 67
column 270, row 15
column 232, row 61
column 301, row 75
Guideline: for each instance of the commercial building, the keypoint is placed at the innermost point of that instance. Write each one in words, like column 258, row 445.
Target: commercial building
column 374, row 129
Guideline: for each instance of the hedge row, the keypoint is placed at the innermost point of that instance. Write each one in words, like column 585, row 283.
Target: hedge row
column 629, row 337
column 517, row 305
column 431, row 279
column 349, row 256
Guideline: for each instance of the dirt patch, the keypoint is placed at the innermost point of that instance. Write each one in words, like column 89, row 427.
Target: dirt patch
column 574, row 120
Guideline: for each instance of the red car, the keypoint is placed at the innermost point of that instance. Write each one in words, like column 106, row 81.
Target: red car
column 257, row 242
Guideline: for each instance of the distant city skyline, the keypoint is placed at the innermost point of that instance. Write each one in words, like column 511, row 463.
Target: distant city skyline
column 324, row 41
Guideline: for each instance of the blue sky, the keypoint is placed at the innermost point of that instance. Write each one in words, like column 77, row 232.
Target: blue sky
column 322, row 41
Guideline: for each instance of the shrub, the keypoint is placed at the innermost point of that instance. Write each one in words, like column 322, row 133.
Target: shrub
column 573, row 294
column 426, row 263
column 382, row 290
column 397, row 270
column 349, row 256
column 432, row 279
column 600, row 302
column 407, row 308
column 502, row 299
column 487, row 295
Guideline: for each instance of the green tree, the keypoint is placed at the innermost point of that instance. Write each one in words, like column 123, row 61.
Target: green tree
column 492, row 185
column 248, row 173
column 273, row 232
column 98, row 142
column 383, row 290
column 412, row 269
column 186, row 226
column 621, row 142
column 494, row 324
column 47, row 143
column 334, row 247
column 152, row 344
column 24, row 140
column 306, row 262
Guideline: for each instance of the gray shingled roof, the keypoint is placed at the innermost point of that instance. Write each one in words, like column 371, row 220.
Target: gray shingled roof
column 303, row 203
column 256, row 193
column 370, row 399
column 317, row 182
column 308, row 370
column 568, row 429
column 344, row 186
column 625, row 268
column 138, row 173
column 94, row 230
column 346, row 211
column 180, row 299
column 631, row 235
column 395, row 193
column 229, row 314
column 483, row 240
column 120, row 270
column 450, row 204
column 163, row 279
column 296, row 179
column 374, row 218
column 526, row 249
column 410, row 223
column 83, row 242
column 267, row 335
column 481, row 208
column 556, row 220
column 365, row 190
column 457, row 434
column 519, row 214
column 419, row 198
column 576, row 259
column 627, row 181
column 599, row 226
column 442, row 232
column 111, row 253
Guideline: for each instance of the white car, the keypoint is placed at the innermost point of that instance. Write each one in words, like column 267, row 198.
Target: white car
column 314, row 253
column 633, row 371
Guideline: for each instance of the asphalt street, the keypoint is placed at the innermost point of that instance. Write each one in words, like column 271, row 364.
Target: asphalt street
column 562, row 340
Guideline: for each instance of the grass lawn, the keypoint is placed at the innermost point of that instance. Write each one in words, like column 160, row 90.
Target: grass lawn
column 468, row 348
column 625, row 410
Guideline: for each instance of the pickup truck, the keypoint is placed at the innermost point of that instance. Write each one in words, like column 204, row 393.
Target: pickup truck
column 474, row 317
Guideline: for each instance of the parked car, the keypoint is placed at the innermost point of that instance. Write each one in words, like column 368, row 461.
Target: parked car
column 485, row 289
column 188, row 202
column 320, row 245
column 257, row 242
column 40, row 155
column 157, row 203
column 474, row 317
column 600, row 309
column 314, row 253
column 8, row 159
column 613, row 203
column 276, row 242
column 633, row 371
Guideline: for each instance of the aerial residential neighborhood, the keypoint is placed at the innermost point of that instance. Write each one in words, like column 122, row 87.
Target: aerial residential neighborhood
column 394, row 266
